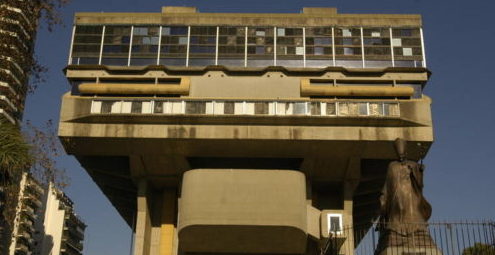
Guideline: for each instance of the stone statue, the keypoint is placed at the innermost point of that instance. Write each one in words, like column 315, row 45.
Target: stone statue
column 404, row 211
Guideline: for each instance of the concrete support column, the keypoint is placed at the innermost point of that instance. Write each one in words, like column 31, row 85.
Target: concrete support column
column 168, row 222
column 143, row 220
column 350, row 184
column 156, row 222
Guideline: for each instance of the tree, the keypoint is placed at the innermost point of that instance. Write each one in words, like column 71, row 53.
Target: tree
column 479, row 249
column 14, row 151
column 44, row 150
column 15, row 159
column 33, row 151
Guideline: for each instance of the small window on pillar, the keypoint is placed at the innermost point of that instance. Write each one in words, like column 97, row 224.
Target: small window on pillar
column 334, row 223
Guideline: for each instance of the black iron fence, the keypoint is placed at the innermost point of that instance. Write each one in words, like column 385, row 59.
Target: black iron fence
column 435, row 238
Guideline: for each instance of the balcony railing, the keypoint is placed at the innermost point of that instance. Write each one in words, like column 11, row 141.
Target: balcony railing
column 26, row 235
column 35, row 188
column 461, row 238
column 74, row 232
column 23, row 248
column 33, row 199
column 28, row 211
column 258, row 108
column 75, row 244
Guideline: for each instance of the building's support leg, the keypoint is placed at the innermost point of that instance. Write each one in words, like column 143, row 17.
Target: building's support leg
column 168, row 222
column 350, row 184
column 156, row 223
column 143, row 221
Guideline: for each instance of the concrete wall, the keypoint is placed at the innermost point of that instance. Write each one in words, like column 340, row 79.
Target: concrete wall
column 310, row 17
column 243, row 210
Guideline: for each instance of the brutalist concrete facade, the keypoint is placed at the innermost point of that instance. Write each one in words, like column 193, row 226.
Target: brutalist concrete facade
column 244, row 133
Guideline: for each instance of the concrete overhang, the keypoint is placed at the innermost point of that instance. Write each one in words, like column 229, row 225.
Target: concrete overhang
column 245, row 71
column 308, row 17
column 243, row 211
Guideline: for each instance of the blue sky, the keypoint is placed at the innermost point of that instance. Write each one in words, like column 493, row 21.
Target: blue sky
column 459, row 38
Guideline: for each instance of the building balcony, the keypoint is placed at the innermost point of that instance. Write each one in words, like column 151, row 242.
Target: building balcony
column 75, row 221
column 26, row 240
column 70, row 249
column 28, row 211
column 27, row 222
column 5, row 102
column 34, row 188
column 35, row 200
column 25, row 235
column 22, row 249
column 26, row 226
column 7, row 115
column 75, row 244
column 74, row 233
column 123, row 126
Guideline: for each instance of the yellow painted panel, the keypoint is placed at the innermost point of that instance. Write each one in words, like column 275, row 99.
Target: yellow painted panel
column 136, row 89
column 166, row 239
column 168, row 222
column 307, row 89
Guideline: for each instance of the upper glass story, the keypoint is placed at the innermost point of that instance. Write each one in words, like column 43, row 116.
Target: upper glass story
column 248, row 46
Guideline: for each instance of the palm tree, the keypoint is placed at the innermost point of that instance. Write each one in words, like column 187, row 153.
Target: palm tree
column 14, row 152
column 15, row 159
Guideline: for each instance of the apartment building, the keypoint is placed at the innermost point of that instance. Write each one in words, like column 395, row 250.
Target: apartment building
column 27, row 214
column 18, row 24
column 61, row 232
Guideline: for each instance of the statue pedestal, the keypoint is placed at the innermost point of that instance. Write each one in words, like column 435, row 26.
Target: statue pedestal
column 410, row 251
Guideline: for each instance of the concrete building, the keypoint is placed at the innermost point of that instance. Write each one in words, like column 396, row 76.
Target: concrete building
column 28, row 211
column 244, row 133
column 45, row 222
column 18, row 26
column 61, row 232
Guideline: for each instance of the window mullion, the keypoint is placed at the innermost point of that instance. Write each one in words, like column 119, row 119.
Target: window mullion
column 101, row 44
column 159, row 50
column 130, row 46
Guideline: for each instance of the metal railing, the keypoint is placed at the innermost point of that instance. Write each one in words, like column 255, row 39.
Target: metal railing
column 437, row 238
column 248, row 107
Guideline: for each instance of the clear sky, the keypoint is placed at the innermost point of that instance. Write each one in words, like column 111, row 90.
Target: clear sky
column 460, row 43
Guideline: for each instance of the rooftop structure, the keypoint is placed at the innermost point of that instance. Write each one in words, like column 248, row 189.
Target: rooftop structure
column 244, row 133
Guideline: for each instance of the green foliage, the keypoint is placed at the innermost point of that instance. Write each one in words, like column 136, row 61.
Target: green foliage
column 479, row 249
column 45, row 150
column 15, row 154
